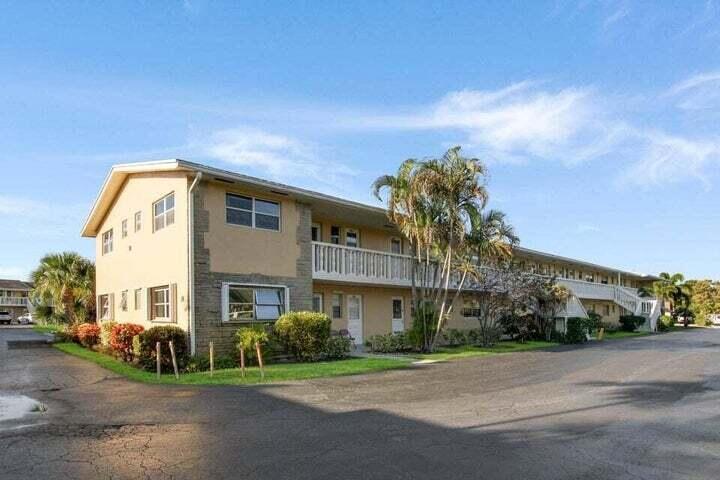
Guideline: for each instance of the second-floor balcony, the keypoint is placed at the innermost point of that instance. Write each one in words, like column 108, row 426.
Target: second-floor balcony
column 13, row 301
column 358, row 265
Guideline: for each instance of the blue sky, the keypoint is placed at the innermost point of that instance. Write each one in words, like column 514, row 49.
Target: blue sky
column 599, row 121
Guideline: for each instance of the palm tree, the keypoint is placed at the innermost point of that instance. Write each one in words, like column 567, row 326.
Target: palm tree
column 492, row 237
column 672, row 289
column 434, row 203
column 66, row 280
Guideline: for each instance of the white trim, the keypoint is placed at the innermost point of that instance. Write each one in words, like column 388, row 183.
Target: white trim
column 357, row 236
column 402, row 314
column 225, row 299
column 322, row 301
column 191, row 261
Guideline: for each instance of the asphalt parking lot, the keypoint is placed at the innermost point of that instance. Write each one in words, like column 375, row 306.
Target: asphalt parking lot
column 641, row 408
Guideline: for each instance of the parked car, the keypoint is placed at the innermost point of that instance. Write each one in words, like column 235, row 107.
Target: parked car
column 25, row 319
column 5, row 318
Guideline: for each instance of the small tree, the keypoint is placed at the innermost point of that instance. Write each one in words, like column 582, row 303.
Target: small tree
column 550, row 299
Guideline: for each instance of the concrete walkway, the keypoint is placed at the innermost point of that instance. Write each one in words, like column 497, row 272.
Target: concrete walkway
column 640, row 408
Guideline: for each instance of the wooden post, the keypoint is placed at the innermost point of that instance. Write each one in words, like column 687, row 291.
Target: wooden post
column 260, row 360
column 601, row 334
column 157, row 359
column 174, row 360
column 242, row 362
column 212, row 357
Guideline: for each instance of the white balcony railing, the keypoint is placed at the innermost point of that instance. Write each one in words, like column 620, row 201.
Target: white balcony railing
column 340, row 263
column 13, row 301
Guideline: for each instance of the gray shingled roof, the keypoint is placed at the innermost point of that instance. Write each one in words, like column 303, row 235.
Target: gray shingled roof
column 14, row 285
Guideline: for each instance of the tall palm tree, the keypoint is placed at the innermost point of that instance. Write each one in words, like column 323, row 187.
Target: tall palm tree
column 492, row 237
column 65, row 279
column 672, row 289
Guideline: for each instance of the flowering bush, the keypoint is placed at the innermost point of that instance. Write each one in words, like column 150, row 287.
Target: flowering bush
column 105, row 331
column 88, row 334
column 121, row 339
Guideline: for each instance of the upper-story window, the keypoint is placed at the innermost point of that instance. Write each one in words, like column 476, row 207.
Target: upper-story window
column 395, row 245
column 138, row 221
column 335, row 234
column 252, row 212
column 352, row 238
column 107, row 242
column 164, row 212
column 123, row 228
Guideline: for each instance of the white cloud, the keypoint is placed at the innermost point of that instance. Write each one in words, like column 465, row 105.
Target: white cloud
column 276, row 156
column 14, row 273
column 697, row 92
column 16, row 206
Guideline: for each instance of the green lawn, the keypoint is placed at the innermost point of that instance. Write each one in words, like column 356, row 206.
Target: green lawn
column 273, row 373
column 49, row 328
column 464, row 351
column 621, row 334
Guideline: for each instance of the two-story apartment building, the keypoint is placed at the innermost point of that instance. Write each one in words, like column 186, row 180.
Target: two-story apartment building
column 15, row 297
column 211, row 250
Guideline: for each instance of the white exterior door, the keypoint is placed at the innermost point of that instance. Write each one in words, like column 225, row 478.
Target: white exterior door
column 398, row 323
column 354, row 315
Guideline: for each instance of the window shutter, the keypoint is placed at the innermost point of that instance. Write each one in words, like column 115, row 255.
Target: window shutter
column 173, row 302
column 224, row 302
column 148, row 303
column 98, row 308
column 112, row 306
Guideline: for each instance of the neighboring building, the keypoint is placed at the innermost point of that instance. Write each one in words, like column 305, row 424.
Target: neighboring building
column 15, row 297
column 211, row 250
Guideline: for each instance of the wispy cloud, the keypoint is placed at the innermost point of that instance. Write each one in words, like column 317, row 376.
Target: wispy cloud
column 12, row 272
column 273, row 155
column 697, row 92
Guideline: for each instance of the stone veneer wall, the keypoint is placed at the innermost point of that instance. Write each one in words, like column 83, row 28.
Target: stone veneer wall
column 208, row 316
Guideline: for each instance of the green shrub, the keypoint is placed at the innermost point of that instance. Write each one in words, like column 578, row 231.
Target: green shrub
column 105, row 331
column 702, row 321
column 390, row 343
column 454, row 337
column 665, row 323
column 247, row 337
column 630, row 323
column 337, row 347
column 594, row 322
column 303, row 334
column 201, row 363
column 163, row 334
column 576, row 330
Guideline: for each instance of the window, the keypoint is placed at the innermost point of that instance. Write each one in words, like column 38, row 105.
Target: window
column 607, row 310
column 397, row 309
column 335, row 235
column 352, row 238
column 252, row 212
column 316, row 232
column 107, row 242
column 337, row 305
column 395, row 245
column 104, row 307
column 124, row 300
column 138, row 221
column 254, row 303
column 123, row 228
column 160, row 303
column 317, row 305
column 164, row 212
column 471, row 308
column 138, row 298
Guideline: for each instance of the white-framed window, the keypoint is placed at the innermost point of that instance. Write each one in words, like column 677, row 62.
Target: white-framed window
column 164, row 212
column 253, row 303
column 337, row 304
column 352, row 237
column 123, row 228
column 107, row 242
column 335, row 234
column 252, row 212
column 138, row 299
column 645, row 307
column 316, row 232
column 103, row 306
column 471, row 308
column 138, row 221
column 124, row 300
column 317, row 304
column 160, row 303
column 395, row 245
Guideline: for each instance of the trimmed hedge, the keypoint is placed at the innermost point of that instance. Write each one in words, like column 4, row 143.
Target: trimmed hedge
column 578, row 329
column 630, row 323
column 304, row 334
column 163, row 334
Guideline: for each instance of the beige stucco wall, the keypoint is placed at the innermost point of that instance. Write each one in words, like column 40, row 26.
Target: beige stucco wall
column 377, row 307
column 601, row 307
column 370, row 238
column 145, row 259
column 240, row 249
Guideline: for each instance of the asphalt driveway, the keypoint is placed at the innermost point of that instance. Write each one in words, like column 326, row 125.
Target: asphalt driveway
column 641, row 408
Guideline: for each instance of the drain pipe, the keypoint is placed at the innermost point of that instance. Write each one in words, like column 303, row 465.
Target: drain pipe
column 191, row 261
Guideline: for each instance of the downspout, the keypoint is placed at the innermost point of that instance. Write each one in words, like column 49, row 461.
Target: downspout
column 191, row 261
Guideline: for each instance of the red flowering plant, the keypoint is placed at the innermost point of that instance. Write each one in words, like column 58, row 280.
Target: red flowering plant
column 121, row 339
column 88, row 334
